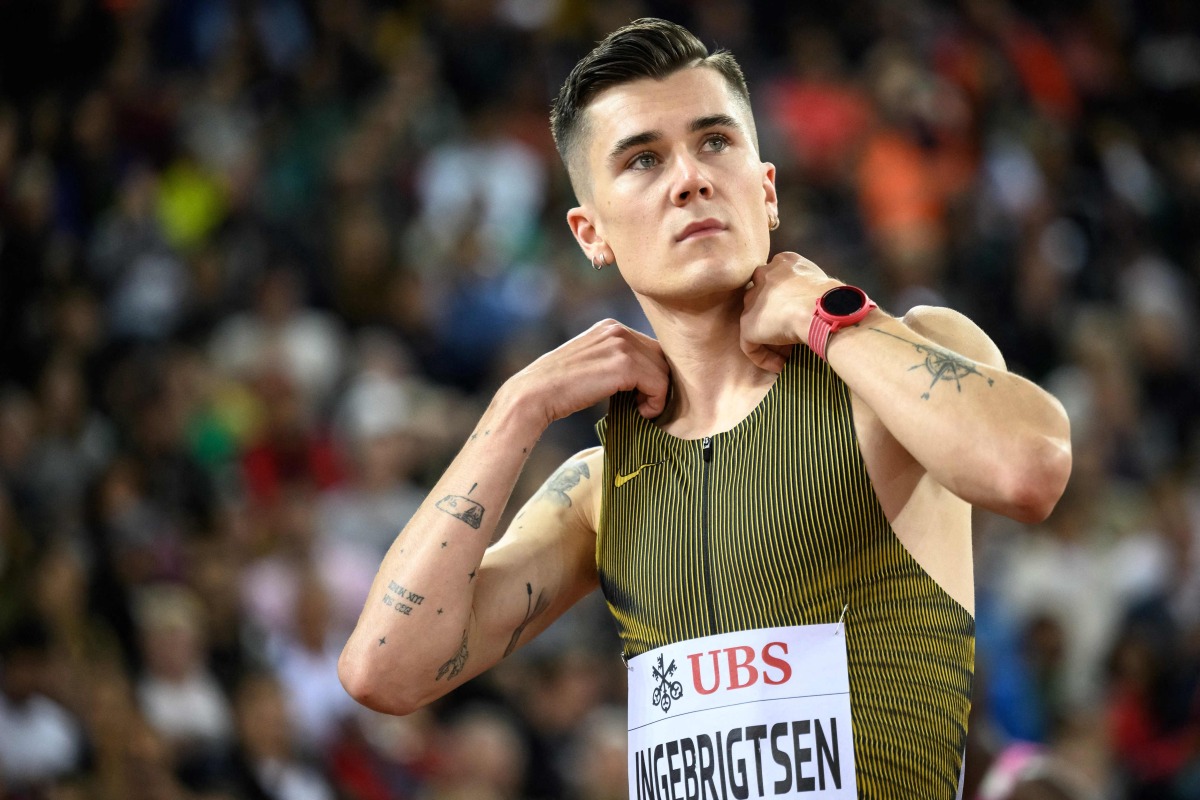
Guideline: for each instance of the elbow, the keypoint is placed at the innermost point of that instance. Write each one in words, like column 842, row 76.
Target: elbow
column 1037, row 479
column 362, row 681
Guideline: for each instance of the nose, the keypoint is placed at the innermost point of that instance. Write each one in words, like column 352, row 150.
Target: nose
column 691, row 181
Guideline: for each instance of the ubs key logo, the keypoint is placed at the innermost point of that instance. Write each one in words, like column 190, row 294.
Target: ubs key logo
column 667, row 689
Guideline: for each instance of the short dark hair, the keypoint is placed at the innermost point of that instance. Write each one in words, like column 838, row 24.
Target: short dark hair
column 645, row 48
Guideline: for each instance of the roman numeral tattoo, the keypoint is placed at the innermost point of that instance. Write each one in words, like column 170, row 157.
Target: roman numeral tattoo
column 942, row 365
column 563, row 481
column 455, row 665
column 404, row 599
column 532, row 610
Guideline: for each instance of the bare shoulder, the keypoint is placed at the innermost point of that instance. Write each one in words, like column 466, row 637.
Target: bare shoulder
column 558, row 519
column 588, row 467
column 954, row 331
column 573, row 490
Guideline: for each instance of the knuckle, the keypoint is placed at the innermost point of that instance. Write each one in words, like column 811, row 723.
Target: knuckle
column 605, row 327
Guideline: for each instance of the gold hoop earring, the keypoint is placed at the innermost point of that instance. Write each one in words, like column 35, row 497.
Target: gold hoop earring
column 772, row 223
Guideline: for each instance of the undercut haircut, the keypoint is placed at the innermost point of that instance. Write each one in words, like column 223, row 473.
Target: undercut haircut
column 645, row 48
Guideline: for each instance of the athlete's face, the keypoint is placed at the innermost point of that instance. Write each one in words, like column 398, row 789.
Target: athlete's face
column 677, row 191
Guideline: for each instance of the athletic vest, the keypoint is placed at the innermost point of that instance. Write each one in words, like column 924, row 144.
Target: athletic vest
column 773, row 523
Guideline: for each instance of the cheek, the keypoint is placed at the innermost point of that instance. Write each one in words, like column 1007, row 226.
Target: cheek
column 629, row 225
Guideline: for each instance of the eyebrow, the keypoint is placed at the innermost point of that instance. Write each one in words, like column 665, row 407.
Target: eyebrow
column 647, row 137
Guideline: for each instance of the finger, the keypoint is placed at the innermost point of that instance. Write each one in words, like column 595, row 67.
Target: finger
column 653, row 385
column 647, row 343
column 766, row 358
column 644, row 369
column 651, row 406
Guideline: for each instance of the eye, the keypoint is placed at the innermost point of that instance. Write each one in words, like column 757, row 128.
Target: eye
column 644, row 160
column 716, row 142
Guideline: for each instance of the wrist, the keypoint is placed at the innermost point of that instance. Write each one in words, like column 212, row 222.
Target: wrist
column 839, row 307
column 516, row 409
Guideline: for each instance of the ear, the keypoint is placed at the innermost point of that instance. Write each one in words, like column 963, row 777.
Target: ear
column 769, row 193
column 582, row 223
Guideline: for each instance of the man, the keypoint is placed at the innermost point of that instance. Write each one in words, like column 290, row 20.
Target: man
column 804, row 488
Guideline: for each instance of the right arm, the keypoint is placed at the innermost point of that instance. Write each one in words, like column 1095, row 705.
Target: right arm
column 443, row 606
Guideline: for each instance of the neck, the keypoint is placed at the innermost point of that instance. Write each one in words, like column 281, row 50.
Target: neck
column 713, row 384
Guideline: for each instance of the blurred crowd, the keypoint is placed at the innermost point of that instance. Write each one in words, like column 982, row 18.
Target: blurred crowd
column 263, row 262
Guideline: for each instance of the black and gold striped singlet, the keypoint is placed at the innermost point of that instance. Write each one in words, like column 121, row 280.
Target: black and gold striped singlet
column 775, row 523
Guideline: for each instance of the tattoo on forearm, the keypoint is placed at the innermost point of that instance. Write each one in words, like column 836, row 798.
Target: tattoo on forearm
column 401, row 600
column 942, row 365
column 532, row 610
column 563, row 481
column 462, row 508
column 455, row 665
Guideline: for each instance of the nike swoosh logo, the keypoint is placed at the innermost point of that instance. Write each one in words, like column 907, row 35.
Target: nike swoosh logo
column 621, row 480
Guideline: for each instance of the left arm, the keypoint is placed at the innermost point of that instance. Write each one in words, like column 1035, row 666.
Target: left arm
column 938, row 385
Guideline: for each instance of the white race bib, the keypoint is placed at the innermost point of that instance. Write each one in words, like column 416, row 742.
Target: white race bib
column 761, row 713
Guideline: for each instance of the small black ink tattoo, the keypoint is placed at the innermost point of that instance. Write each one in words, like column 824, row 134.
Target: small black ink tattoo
column 439, row 611
column 455, row 665
column 531, row 611
column 471, row 575
column 473, row 485
column 564, row 481
column 382, row 641
column 404, row 596
column 460, row 507
column 443, row 544
column 942, row 365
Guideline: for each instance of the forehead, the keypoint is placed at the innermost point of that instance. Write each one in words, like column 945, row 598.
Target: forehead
column 665, row 106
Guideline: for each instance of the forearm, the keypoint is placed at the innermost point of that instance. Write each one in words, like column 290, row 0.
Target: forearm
column 991, row 437
column 434, row 616
column 410, row 640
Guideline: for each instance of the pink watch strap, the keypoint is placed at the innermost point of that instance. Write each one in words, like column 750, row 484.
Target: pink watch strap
column 818, row 335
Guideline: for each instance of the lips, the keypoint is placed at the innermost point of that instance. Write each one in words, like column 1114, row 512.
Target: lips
column 704, row 227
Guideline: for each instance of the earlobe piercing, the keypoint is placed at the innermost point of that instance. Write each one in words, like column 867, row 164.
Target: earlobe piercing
column 772, row 222
column 599, row 261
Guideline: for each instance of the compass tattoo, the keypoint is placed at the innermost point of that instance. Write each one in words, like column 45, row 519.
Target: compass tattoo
column 942, row 365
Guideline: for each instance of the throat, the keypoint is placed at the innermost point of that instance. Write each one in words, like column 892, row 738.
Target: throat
column 703, row 403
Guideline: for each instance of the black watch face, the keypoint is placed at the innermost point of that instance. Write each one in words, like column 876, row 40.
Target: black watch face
column 843, row 301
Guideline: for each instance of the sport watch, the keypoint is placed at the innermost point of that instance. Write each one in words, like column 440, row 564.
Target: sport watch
column 838, row 308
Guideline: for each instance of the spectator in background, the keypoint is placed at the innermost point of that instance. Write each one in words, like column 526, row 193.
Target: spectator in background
column 306, row 662
column 40, row 741
column 281, row 333
column 268, row 765
column 74, row 444
column 482, row 757
column 179, row 696
column 596, row 767
column 17, row 560
column 375, row 424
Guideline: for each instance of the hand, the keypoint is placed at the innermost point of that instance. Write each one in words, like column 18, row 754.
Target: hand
column 778, row 307
column 603, row 360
